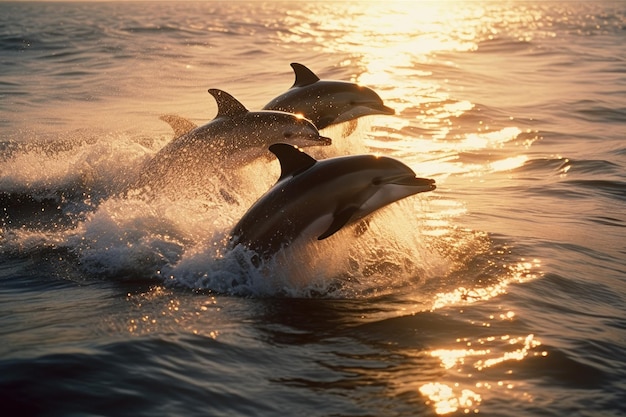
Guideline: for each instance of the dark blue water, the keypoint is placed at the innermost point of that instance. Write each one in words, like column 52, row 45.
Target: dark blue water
column 501, row 293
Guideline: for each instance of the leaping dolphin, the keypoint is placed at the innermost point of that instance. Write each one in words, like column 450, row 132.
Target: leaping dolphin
column 327, row 102
column 315, row 199
column 235, row 136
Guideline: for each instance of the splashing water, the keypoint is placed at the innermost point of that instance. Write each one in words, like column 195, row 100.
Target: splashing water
column 115, row 233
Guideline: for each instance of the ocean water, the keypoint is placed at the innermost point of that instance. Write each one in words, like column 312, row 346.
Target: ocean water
column 501, row 293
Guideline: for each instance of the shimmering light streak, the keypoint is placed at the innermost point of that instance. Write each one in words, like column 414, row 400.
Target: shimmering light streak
column 519, row 272
column 447, row 400
column 529, row 342
column 509, row 163
column 451, row 358
column 158, row 309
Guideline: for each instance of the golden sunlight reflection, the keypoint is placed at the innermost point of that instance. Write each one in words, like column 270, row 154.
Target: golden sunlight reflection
column 437, row 224
column 519, row 272
column 471, row 356
column 474, row 357
column 389, row 43
column 527, row 343
column 158, row 309
column 493, row 139
column 446, row 399
column 407, row 52
column 396, row 48
column 429, row 24
column 485, row 356
column 508, row 164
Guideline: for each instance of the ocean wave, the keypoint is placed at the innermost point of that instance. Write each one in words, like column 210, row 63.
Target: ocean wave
column 499, row 293
column 613, row 189
column 598, row 112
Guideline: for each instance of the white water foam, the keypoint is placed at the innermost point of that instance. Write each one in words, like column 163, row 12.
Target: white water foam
column 184, row 241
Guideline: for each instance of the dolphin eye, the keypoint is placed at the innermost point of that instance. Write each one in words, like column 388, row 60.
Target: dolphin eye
column 287, row 135
column 376, row 181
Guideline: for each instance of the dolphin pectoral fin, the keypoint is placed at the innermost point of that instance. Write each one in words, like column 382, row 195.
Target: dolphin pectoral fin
column 179, row 124
column 227, row 105
column 340, row 219
column 292, row 160
column 304, row 76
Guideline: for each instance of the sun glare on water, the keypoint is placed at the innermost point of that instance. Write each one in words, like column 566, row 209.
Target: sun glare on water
column 489, row 352
column 397, row 48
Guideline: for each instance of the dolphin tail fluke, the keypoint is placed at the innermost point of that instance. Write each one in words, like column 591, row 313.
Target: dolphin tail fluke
column 179, row 124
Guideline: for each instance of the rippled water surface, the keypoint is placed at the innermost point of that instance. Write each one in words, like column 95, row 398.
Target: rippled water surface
column 500, row 293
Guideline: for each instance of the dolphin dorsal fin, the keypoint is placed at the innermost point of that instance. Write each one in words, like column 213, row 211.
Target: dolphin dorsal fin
column 292, row 160
column 304, row 76
column 180, row 125
column 227, row 105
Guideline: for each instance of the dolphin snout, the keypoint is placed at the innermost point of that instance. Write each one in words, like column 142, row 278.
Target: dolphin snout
column 387, row 110
column 411, row 181
column 424, row 182
column 306, row 141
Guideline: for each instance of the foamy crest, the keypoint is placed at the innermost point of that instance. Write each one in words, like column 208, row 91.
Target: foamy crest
column 182, row 239
column 80, row 162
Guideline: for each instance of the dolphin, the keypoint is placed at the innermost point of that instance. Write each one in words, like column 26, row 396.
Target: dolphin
column 179, row 124
column 326, row 102
column 313, row 199
column 235, row 136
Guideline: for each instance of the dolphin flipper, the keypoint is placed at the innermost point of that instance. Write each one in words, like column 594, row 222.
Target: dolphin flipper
column 227, row 105
column 292, row 160
column 340, row 219
column 179, row 124
column 304, row 76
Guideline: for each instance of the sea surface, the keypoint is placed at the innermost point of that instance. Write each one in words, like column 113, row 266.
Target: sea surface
column 501, row 293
